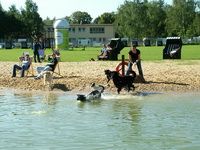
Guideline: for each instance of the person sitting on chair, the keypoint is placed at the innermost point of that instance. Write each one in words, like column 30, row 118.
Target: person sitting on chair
column 25, row 65
column 52, row 61
column 104, row 52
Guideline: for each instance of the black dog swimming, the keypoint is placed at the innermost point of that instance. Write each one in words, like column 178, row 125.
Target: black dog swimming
column 96, row 94
column 121, row 81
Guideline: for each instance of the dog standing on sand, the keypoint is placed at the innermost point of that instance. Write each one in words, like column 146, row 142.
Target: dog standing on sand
column 48, row 77
column 121, row 81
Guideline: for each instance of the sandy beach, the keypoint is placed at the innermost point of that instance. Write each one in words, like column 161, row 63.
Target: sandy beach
column 161, row 76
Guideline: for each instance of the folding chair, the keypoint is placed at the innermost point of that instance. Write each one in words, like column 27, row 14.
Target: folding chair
column 22, row 57
column 29, row 70
column 58, row 68
column 104, row 56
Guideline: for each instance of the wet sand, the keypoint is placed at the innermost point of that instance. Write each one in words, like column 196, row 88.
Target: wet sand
column 160, row 76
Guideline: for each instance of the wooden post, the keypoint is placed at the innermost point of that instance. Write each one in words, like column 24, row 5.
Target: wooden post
column 123, row 59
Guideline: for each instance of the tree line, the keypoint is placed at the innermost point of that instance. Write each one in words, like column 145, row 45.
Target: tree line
column 25, row 23
column 133, row 19
column 137, row 19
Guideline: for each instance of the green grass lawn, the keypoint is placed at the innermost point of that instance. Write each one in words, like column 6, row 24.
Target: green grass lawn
column 152, row 53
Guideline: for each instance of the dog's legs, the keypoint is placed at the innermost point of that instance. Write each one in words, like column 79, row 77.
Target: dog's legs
column 118, row 90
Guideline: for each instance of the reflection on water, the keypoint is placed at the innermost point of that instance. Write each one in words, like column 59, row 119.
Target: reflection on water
column 142, row 121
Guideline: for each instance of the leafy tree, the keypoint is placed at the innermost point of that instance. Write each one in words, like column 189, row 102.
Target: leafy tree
column 180, row 16
column 49, row 21
column 96, row 20
column 156, row 17
column 194, row 29
column 68, row 18
column 13, row 23
column 2, row 22
column 79, row 17
column 105, row 18
column 32, row 20
column 131, row 19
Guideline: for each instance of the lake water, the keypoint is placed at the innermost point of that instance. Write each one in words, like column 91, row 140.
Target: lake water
column 49, row 121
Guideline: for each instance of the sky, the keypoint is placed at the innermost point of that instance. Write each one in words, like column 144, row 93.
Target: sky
column 62, row 8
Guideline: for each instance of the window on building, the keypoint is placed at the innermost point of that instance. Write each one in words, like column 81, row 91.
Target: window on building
column 72, row 30
column 81, row 29
column 97, row 30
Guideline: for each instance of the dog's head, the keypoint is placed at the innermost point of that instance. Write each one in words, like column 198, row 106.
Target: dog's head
column 92, row 84
column 107, row 72
column 81, row 97
column 111, row 74
column 114, row 74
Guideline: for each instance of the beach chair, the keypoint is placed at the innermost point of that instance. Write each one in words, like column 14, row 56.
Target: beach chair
column 42, row 54
column 57, row 70
column 172, row 48
column 117, row 45
column 22, row 57
column 29, row 70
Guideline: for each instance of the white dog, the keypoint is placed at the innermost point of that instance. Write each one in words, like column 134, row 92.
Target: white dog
column 48, row 79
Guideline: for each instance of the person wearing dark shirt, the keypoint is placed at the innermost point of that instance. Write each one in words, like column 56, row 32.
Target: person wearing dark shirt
column 52, row 61
column 36, row 47
column 134, row 59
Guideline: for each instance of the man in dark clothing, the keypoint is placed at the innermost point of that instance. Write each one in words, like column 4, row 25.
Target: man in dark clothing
column 134, row 59
column 36, row 47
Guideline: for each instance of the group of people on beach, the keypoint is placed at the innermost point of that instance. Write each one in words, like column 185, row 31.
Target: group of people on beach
column 26, row 61
column 134, row 56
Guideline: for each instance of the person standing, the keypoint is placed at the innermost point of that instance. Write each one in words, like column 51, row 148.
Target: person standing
column 36, row 47
column 134, row 59
column 42, row 49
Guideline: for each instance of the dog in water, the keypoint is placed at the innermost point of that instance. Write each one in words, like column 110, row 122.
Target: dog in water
column 48, row 77
column 121, row 81
column 96, row 94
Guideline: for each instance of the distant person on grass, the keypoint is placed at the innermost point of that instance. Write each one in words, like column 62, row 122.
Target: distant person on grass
column 36, row 47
